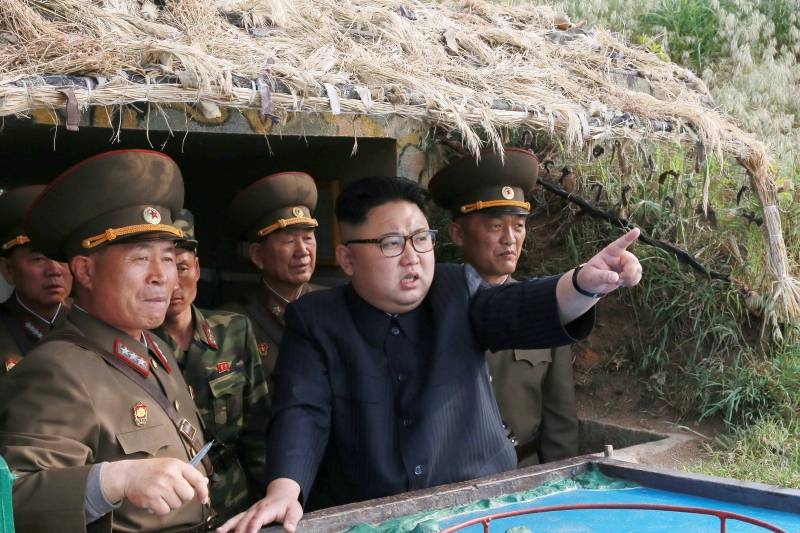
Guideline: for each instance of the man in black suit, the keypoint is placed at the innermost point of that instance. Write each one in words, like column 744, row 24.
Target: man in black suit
column 388, row 373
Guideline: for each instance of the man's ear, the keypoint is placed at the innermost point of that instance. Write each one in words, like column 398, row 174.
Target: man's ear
column 255, row 255
column 344, row 259
column 196, row 268
column 456, row 233
column 82, row 268
column 5, row 270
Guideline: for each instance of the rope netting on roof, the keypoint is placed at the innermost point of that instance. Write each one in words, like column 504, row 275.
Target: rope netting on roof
column 469, row 66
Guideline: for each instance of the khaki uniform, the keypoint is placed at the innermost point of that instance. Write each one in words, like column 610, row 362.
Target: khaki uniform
column 21, row 330
column 535, row 392
column 224, row 370
column 264, row 313
column 536, row 396
column 68, row 408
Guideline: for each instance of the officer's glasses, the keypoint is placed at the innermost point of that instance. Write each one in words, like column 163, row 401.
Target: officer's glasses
column 394, row 245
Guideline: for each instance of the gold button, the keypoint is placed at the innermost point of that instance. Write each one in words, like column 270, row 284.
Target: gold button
column 177, row 405
column 155, row 365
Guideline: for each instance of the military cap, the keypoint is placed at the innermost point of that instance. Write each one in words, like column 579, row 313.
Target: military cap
column 275, row 202
column 108, row 198
column 13, row 205
column 489, row 186
column 184, row 221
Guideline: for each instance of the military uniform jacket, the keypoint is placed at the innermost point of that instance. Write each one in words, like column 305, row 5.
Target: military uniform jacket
column 68, row 408
column 337, row 390
column 21, row 330
column 268, row 325
column 223, row 368
column 535, row 392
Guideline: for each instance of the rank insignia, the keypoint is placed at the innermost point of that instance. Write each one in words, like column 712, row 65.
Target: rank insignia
column 223, row 366
column 131, row 358
column 151, row 215
column 11, row 363
column 212, row 341
column 153, row 345
column 36, row 332
column 140, row 414
column 263, row 347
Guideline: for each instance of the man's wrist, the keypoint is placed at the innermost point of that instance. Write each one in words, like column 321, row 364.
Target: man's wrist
column 581, row 290
column 112, row 480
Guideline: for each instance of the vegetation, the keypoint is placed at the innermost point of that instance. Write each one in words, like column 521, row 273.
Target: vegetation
column 702, row 344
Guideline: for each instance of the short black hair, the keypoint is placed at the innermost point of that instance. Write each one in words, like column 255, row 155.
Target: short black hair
column 360, row 196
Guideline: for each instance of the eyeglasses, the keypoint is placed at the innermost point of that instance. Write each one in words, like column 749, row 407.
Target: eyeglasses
column 394, row 245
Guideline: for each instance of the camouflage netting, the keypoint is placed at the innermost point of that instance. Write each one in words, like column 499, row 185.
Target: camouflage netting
column 468, row 66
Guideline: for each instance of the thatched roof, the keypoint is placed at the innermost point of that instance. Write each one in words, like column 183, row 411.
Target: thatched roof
column 470, row 66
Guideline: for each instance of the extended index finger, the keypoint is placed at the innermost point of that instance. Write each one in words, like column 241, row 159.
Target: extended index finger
column 617, row 247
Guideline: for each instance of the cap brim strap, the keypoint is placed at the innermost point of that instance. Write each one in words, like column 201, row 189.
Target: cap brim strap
column 284, row 222
column 114, row 233
column 19, row 240
column 477, row 206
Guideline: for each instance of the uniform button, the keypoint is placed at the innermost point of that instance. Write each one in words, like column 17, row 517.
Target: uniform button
column 490, row 378
column 401, row 377
column 418, row 470
column 155, row 365
column 514, row 441
column 395, row 330
column 407, row 422
column 177, row 405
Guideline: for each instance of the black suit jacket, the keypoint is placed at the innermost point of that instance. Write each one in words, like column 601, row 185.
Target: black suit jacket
column 335, row 390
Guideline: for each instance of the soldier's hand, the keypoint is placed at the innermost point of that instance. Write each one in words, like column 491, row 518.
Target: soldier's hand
column 279, row 505
column 613, row 267
column 160, row 485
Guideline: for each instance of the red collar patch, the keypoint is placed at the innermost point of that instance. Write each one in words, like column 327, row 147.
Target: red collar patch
column 11, row 363
column 212, row 341
column 223, row 366
column 131, row 358
column 157, row 350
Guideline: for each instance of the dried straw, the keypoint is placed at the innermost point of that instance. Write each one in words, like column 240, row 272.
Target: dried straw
column 469, row 65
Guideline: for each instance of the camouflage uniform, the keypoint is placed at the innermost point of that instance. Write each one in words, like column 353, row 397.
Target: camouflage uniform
column 21, row 330
column 225, row 374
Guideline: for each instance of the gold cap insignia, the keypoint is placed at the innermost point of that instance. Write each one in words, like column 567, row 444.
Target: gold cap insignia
column 296, row 211
column 140, row 414
column 507, row 192
column 151, row 215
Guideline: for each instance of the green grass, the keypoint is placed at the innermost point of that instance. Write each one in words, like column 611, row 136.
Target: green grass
column 690, row 29
column 699, row 337
column 768, row 451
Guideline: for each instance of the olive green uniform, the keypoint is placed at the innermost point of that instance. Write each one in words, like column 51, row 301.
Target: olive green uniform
column 21, row 330
column 264, row 312
column 224, row 371
column 68, row 407
column 535, row 392
column 89, row 393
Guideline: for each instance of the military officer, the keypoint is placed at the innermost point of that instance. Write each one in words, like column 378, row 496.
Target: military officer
column 41, row 285
column 216, row 351
column 98, row 423
column 534, row 388
column 274, row 214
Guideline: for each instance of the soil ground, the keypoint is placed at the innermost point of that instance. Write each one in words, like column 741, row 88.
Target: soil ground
column 608, row 391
